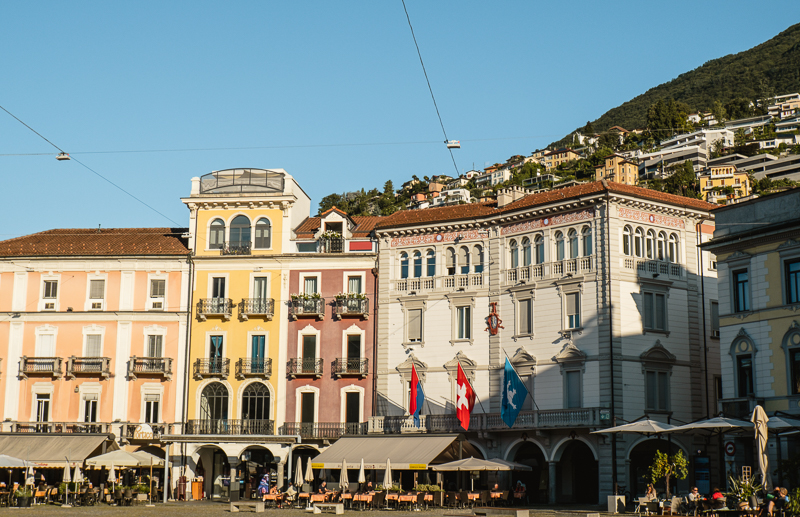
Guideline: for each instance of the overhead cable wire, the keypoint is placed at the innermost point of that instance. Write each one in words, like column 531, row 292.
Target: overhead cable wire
column 92, row 170
column 429, row 83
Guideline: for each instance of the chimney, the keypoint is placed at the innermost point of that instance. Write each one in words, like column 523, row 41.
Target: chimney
column 195, row 186
column 508, row 195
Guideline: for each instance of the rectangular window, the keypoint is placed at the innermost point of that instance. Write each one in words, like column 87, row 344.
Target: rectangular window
column 46, row 345
column 415, row 325
column 310, row 285
column 573, row 311
column 655, row 311
column 657, row 391
column 155, row 346
column 714, row 319
column 793, row 281
column 354, row 346
column 354, row 284
column 97, row 289
column 260, row 288
column 744, row 375
column 215, row 350
column 218, row 287
column 90, row 407
column 307, row 408
column 42, row 407
column 157, row 288
column 50, row 289
column 309, row 354
column 741, row 294
column 151, row 403
column 525, row 317
column 794, row 366
column 93, row 345
column 464, row 323
column 352, row 407
column 572, row 379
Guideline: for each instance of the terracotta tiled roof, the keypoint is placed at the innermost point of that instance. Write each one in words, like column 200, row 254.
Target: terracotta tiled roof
column 364, row 226
column 88, row 242
column 439, row 214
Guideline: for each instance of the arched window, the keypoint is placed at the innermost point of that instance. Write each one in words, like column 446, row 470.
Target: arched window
column 450, row 256
column 214, row 402
column 263, row 234
column 430, row 262
column 463, row 259
column 638, row 238
column 477, row 258
column 559, row 246
column 626, row 240
column 404, row 265
column 417, row 264
column 217, row 235
column 573, row 244
column 587, row 241
column 650, row 243
column 661, row 245
column 672, row 248
column 526, row 252
column 512, row 245
column 240, row 232
column 255, row 402
column 791, row 344
column 539, row 245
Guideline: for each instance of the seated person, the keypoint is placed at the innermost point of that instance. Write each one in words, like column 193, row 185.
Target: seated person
column 650, row 495
column 291, row 492
column 778, row 498
column 273, row 490
column 323, row 488
column 369, row 487
column 693, row 499
column 496, row 488
column 520, row 488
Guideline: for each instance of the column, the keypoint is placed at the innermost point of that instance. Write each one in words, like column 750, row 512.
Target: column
column 166, row 483
column 551, row 489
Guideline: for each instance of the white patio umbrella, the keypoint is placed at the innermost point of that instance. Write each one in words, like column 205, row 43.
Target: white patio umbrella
column 112, row 476
column 309, row 478
column 760, row 421
column 298, row 475
column 29, row 476
column 780, row 424
column 344, row 483
column 361, row 477
column 645, row 427
column 387, row 475
column 10, row 462
column 77, row 476
column 66, row 478
column 718, row 425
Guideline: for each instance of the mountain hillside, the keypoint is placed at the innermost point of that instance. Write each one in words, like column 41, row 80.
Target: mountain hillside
column 772, row 68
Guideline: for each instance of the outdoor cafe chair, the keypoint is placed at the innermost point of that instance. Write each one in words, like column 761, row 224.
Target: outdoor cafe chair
column 465, row 500
column 452, row 499
column 378, row 500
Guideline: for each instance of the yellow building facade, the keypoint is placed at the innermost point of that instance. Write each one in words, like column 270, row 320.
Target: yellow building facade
column 617, row 168
column 723, row 184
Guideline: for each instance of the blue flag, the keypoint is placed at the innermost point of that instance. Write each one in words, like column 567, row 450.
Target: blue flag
column 514, row 393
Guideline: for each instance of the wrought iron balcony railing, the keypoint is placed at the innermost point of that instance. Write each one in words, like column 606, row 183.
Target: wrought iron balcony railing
column 304, row 366
column 231, row 427
column 351, row 307
column 40, row 366
column 331, row 245
column 218, row 367
column 253, row 368
column 150, row 366
column 346, row 366
column 214, row 307
column 311, row 307
column 238, row 248
column 256, row 307
column 323, row 430
column 145, row 432
column 62, row 427
column 96, row 366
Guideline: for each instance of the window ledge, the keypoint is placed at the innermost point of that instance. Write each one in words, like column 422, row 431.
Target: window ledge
column 414, row 343
column 658, row 412
column 454, row 342
column 522, row 336
column 655, row 331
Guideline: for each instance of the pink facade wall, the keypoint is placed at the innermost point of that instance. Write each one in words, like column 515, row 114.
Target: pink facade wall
column 330, row 346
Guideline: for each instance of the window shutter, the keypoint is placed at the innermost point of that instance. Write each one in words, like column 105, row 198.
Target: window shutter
column 93, row 345
column 651, row 390
column 663, row 391
column 96, row 288
column 154, row 346
column 415, row 325
column 46, row 346
column 715, row 316
column 648, row 310
column 573, row 389
column 661, row 311
column 525, row 317
column 572, row 303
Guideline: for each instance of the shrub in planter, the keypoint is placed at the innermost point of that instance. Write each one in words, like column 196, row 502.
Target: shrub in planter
column 24, row 496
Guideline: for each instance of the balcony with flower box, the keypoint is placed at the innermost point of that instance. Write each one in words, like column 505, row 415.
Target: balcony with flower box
column 242, row 248
column 208, row 368
column 90, row 366
column 40, row 366
column 158, row 366
column 351, row 305
column 214, row 307
column 246, row 367
column 303, row 305
column 345, row 366
column 330, row 242
column 263, row 307
column 304, row 367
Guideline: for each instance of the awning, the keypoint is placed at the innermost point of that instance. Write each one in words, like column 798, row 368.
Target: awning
column 53, row 450
column 7, row 462
column 404, row 452
column 122, row 458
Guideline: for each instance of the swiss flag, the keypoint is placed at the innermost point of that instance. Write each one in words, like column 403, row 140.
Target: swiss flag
column 465, row 399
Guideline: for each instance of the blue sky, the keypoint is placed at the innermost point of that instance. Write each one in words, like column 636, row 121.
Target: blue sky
column 331, row 91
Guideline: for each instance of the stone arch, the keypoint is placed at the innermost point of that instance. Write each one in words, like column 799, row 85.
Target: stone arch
column 558, row 449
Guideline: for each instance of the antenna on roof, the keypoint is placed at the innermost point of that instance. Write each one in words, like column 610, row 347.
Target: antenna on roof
column 98, row 228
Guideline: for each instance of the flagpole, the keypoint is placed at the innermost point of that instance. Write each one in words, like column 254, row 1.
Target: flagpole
column 515, row 371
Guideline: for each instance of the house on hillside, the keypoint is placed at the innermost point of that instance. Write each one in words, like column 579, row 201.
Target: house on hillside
column 617, row 168
column 555, row 158
column 724, row 184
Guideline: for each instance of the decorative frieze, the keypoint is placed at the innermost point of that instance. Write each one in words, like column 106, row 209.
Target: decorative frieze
column 646, row 217
column 436, row 238
column 546, row 222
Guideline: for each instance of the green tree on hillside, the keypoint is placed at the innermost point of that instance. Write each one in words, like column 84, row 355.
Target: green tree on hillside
column 665, row 118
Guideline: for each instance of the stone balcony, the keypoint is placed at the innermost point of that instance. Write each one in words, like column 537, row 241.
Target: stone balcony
column 159, row 366
column 449, row 283
column 653, row 268
column 50, row 366
column 89, row 366
column 550, row 270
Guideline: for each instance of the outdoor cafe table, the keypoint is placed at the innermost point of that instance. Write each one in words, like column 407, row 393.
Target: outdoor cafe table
column 473, row 496
column 274, row 497
column 364, row 499
column 496, row 495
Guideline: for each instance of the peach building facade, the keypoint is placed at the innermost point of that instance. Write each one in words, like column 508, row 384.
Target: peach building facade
column 93, row 331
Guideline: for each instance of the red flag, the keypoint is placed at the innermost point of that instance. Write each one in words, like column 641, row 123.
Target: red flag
column 465, row 399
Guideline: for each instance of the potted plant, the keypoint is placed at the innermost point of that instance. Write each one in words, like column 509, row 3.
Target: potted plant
column 665, row 466
column 24, row 496
column 744, row 490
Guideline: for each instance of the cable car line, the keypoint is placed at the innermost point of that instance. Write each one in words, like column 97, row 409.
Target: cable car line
column 447, row 141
